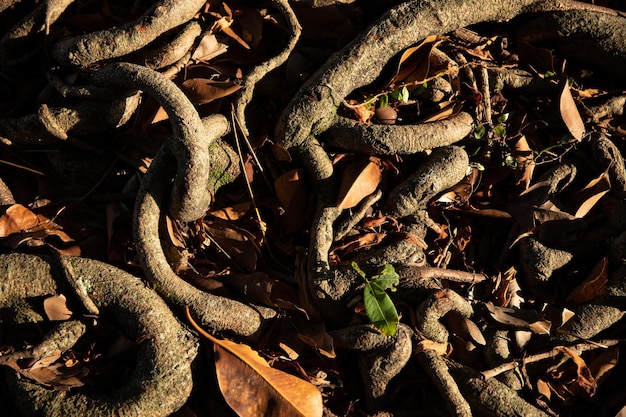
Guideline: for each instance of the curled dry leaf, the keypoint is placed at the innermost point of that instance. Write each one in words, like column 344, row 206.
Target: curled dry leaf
column 252, row 388
column 56, row 309
column 21, row 225
column 359, row 179
column 584, row 378
column 569, row 113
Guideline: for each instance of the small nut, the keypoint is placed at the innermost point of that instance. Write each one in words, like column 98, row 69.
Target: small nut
column 386, row 115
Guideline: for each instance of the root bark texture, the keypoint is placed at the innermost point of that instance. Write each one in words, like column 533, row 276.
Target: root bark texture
column 161, row 380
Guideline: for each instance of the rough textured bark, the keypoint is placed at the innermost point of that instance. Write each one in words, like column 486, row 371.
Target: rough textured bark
column 161, row 380
column 112, row 43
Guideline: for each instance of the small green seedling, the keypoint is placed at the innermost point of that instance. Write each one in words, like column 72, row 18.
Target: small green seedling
column 378, row 306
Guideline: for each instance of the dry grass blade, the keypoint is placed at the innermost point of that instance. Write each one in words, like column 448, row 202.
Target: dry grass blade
column 252, row 388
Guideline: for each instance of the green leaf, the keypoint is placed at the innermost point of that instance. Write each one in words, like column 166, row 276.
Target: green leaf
column 383, row 101
column 503, row 117
column 405, row 94
column 480, row 131
column 380, row 309
column 500, row 131
column 387, row 279
column 396, row 95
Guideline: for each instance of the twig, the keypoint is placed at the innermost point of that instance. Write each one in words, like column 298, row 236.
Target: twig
column 578, row 348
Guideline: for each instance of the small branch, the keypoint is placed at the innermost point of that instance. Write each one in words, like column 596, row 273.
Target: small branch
column 578, row 348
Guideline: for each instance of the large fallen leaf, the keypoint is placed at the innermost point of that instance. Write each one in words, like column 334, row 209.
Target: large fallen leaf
column 359, row 180
column 253, row 388
column 569, row 113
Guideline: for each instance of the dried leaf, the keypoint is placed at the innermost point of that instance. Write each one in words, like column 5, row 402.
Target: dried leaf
column 235, row 243
column 253, row 388
column 209, row 48
column 543, row 388
column 525, row 161
column 582, row 201
column 21, row 225
column 56, row 309
column 203, row 90
column 592, row 286
column 602, row 364
column 259, row 287
column 524, row 319
column 234, row 212
column 569, row 113
column 314, row 334
column 414, row 63
column 584, row 379
column 358, row 180
column 293, row 195
column 17, row 218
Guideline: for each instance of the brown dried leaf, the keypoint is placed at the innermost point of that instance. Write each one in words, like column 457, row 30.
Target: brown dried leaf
column 293, row 195
column 358, row 180
column 592, row 286
column 524, row 319
column 234, row 212
column 543, row 388
column 465, row 328
column 582, row 201
column 56, row 309
column 203, row 90
column 414, row 63
column 235, row 243
column 525, row 159
column 569, row 113
column 209, row 48
column 16, row 219
column 602, row 364
column 584, row 380
column 252, row 388
column 314, row 334
column 259, row 287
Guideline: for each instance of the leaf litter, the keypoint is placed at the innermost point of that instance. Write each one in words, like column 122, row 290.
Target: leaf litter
column 226, row 245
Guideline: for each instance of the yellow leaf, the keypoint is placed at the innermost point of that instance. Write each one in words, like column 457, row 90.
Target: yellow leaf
column 253, row 388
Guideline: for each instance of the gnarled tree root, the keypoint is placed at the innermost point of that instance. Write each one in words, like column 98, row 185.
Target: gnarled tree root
column 112, row 43
column 161, row 380
column 215, row 312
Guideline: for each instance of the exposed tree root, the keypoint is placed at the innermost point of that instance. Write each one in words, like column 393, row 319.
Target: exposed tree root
column 161, row 380
column 113, row 43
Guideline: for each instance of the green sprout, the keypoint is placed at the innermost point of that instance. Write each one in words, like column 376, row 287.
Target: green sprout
column 378, row 306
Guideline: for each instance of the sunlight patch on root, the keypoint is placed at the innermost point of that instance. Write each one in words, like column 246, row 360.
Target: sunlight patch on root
column 354, row 136
column 161, row 380
column 443, row 168
column 107, row 44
